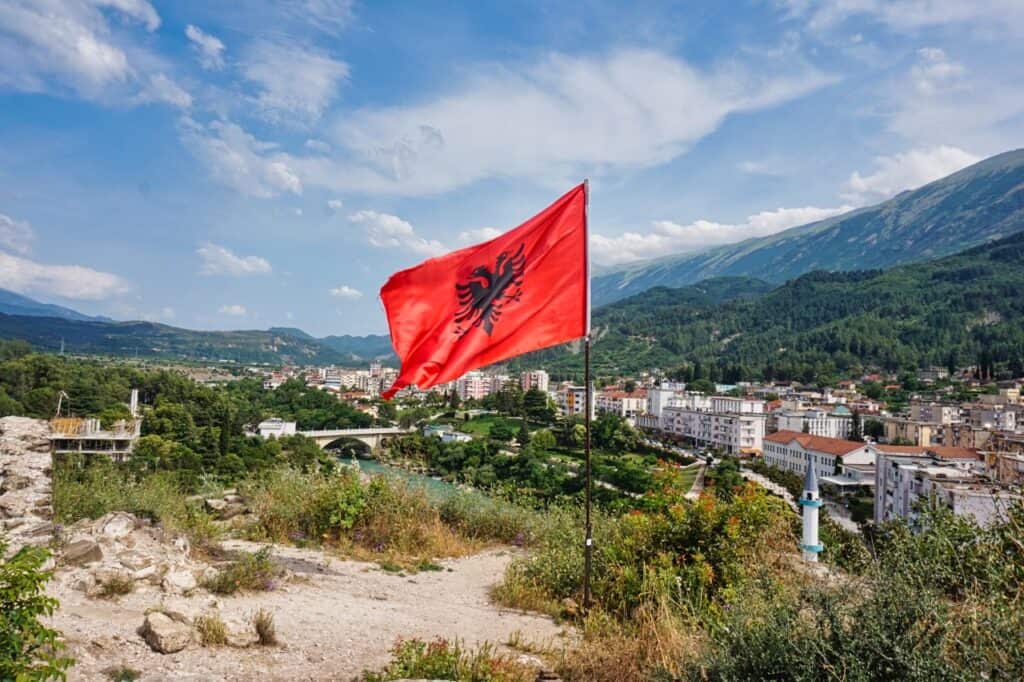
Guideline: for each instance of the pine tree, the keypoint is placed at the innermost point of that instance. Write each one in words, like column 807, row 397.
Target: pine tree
column 856, row 430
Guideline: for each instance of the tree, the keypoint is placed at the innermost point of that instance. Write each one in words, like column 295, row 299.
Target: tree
column 537, row 407
column 543, row 440
column 629, row 386
column 874, row 428
column 856, row 431
column 454, row 402
column 500, row 432
column 28, row 649
column 523, row 437
column 705, row 386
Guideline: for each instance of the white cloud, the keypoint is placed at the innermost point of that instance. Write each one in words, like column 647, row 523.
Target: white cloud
column 388, row 231
column 68, row 281
column 160, row 88
column 297, row 83
column 934, row 71
column 910, row 15
column 550, row 121
column 668, row 237
column 334, row 205
column 218, row 260
column 345, row 291
column 762, row 167
column 908, row 170
column 87, row 47
column 315, row 145
column 237, row 159
column 16, row 235
column 209, row 48
column 482, row 234
column 234, row 310
column 165, row 314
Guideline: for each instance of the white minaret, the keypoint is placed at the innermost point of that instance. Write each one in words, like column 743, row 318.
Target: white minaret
column 810, row 503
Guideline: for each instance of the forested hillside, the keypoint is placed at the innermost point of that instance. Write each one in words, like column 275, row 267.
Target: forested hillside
column 960, row 310
column 984, row 201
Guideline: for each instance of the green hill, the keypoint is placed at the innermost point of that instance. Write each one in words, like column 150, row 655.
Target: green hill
column 979, row 203
column 959, row 310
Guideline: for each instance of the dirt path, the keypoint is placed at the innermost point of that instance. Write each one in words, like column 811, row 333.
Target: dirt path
column 336, row 619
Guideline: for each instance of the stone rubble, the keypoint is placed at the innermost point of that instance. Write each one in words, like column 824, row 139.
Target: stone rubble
column 26, row 508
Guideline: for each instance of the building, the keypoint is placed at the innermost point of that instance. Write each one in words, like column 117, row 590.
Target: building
column 276, row 427
column 901, row 469
column 830, row 457
column 908, row 431
column 626, row 405
column 736, row 425
column 86, row 436
column 834, row 423
column 992, row 418
column 935, row 413
column 810, row 503
column 537, row 379
column 571, row 400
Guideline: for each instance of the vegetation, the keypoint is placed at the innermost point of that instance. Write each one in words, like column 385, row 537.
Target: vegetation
column 250, row 572
column 444, row 660
column 263, row 623
column 212, row 630
column 28, row 649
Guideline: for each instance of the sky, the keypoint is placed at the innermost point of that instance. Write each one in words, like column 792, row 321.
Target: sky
column 241, row 165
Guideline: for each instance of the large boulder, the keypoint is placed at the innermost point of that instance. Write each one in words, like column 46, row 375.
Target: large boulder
column 179, row 580
column 117, row 525
column 165, row 635
column 82, row 552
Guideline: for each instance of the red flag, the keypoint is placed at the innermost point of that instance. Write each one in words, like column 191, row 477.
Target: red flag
column 525, row 290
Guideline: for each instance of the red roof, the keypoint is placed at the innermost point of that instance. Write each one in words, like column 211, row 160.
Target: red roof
column 951, row 452
column 831, row 446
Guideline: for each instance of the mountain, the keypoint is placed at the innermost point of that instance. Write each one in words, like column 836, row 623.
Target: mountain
column 16, row 304
column 959, row 310
column 370, row 347
column 148, row 339
column 979, row 203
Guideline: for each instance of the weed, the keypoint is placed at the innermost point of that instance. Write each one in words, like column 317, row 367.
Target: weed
column 441, row 659
column 211, row 629
column 116, row 586
column 122, row 673
column 263, row 621
column 250, row 572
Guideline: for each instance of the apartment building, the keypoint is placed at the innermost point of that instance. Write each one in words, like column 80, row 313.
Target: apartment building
column 735, row 425
column 833, row 423
column 792, row 450
column 536, row 379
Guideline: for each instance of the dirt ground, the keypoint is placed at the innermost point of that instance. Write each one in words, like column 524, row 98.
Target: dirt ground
column 335, row 619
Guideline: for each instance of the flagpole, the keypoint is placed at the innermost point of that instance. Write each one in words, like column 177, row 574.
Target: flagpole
column 588, row 543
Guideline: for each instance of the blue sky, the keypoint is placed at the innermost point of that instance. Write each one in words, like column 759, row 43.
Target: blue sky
column 248, row 164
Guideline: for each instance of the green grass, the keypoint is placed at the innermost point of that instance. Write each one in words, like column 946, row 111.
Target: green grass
column 481, row 426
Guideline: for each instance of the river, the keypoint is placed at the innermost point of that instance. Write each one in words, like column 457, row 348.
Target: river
column 434, row 487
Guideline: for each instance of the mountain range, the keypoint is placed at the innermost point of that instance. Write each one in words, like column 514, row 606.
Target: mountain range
column 979, row 203
column 964, row 309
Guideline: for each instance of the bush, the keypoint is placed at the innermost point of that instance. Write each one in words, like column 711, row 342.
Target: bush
column 251, row 572
column 116, row 586
column 263, row 622
column 28, row 649
column 212, row 630
column 440, row 659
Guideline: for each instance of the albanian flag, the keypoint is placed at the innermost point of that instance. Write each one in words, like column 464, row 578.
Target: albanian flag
column 525, row 290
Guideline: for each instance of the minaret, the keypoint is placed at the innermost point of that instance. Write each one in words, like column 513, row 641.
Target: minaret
column 810, row 503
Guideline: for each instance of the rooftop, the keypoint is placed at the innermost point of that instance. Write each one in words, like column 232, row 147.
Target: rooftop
column 831, row 446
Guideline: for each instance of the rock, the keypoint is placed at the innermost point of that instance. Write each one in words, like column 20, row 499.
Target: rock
column 135, row 560
column 231, row 510
column 86, row 583
column 240, row 635
column 117, row 526
column 164, row 635
column 39, row 530
column 179, row 580
column 233, row 499
column 144, row 573
column 214, row 505
column 15, row 482
column 82, row 552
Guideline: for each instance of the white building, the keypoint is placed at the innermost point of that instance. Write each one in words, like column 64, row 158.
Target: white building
column 276, row 428
column 792, row 450
column 626, row 405
column 571, row 400
column 901, row 473
column 835, row 423
column 734, row 424
column 537, row 379
column 658, row 399
column 935, row 413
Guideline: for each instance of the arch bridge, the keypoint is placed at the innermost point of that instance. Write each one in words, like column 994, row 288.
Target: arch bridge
column 375, row 438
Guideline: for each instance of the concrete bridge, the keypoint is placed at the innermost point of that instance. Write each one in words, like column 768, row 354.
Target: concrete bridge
column 375, row 438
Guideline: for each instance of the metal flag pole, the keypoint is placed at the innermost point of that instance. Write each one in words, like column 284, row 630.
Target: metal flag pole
column 588, row 543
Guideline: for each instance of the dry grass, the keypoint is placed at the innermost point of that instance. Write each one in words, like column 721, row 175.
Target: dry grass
column 212, row 630
column 263, row 622
column 116, row 586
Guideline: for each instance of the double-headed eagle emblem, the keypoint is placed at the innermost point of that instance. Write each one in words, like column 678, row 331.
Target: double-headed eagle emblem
column 486, row 293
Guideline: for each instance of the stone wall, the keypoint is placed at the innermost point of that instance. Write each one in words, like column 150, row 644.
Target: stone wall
column 26, row 506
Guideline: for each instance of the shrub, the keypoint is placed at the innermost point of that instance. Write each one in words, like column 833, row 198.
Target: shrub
column 116, row 586
column 263, row 622
column 250, row 572
column 441, row 659
column 212, row 630
column 28, row 649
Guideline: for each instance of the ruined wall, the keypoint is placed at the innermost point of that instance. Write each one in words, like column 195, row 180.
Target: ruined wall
column 26, row 507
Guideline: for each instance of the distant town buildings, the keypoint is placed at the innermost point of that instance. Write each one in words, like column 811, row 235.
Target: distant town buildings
column 276, row 428
column 536, row 379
